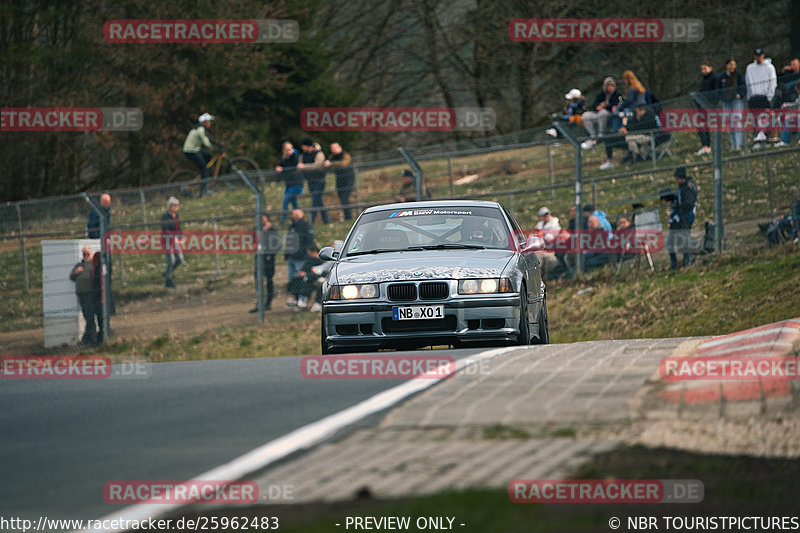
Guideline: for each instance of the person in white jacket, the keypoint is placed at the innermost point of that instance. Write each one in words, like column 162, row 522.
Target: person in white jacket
column 761, row 82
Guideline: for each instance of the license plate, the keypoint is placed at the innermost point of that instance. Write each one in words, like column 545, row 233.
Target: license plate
column 417, row 312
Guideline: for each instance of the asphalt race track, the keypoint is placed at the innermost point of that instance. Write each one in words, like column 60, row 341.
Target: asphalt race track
column 64, row 439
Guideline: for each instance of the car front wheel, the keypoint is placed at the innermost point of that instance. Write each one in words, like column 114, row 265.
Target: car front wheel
column 544, row 332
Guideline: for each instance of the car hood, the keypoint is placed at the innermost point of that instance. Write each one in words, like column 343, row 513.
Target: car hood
column 423, row 264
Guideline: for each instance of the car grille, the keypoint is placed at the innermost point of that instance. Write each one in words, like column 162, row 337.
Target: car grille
column 402, row 292
column 448, row 323
column 433, row 291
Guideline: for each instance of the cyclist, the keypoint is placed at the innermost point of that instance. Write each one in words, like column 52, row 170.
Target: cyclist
column 197, row 148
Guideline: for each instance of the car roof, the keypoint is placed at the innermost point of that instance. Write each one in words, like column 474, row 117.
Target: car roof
column 434, row 204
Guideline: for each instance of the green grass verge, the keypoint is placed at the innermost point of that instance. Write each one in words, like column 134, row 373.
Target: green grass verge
column 729, row 294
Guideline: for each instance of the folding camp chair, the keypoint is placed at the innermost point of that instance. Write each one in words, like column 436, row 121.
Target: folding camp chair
column 644, row 222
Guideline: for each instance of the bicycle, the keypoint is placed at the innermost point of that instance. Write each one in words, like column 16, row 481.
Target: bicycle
column 216, row 163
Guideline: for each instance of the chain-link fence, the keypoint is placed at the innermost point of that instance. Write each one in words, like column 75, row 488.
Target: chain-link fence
column 524, row 170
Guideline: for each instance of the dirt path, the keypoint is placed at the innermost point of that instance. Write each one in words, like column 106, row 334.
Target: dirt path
column 180, row 314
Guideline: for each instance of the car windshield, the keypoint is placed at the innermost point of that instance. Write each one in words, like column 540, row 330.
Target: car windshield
column 428, row 229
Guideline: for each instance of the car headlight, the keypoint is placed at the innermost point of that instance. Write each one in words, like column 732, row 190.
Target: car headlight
column 484, row 286
column 352, row 292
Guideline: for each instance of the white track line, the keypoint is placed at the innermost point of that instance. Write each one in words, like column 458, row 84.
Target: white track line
column 298, row 439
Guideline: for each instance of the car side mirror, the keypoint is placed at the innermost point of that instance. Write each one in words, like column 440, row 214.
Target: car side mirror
column 534, row 244
column 328, row 253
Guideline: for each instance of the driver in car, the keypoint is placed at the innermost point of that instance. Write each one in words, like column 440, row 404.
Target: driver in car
column 474, row 231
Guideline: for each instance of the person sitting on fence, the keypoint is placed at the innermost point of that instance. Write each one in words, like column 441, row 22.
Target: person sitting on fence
column 573, row 113
column 605, row 104
column 197, row 148
column 635, row 93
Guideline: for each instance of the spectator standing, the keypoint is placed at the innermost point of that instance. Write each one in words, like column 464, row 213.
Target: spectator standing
column 267, row 250
column 172, row 239
column 93, row 232
column 734, row 92
column 312, row 165
column 708, row 84
column 197, row 148
column 287, row 168
column 82, row 274
column 342, row 165
column 93, row 223
column 596, row 120
column 299, row 238
column 761, row 83
column 683, row 206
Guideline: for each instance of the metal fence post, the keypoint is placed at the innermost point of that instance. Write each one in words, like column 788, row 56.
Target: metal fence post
column 719, row 224
column 653, row 156
column 594, row 193
column 22, row 247
column 564, row 130
column 259, row 239
column 144, row 207
column 121, row 259
column 550, row 170
column 419, row 187
column 25, row 262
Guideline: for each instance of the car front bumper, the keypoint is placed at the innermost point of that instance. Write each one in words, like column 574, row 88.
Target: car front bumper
column 473, row 319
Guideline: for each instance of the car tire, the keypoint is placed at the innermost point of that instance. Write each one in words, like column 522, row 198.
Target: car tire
column 544, row 338
column 524, row 337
